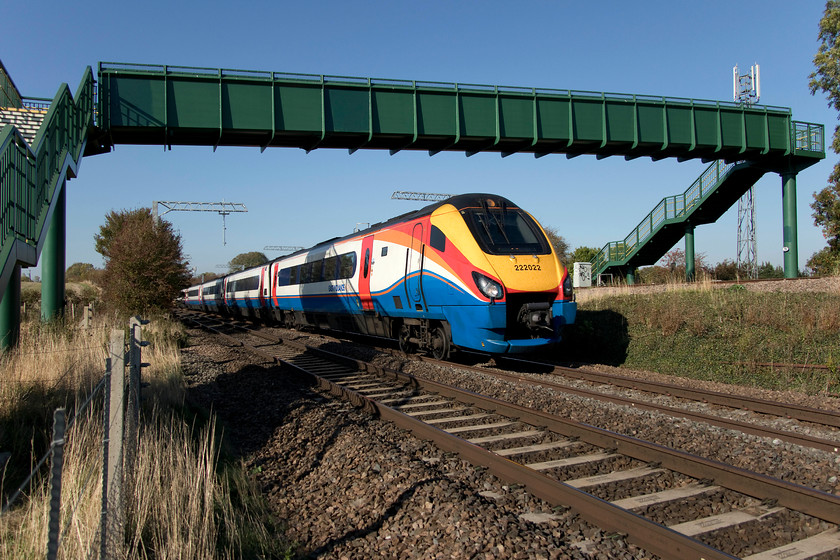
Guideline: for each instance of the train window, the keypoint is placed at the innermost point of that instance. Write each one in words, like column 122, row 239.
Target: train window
column 284, row 276
column 330, row 268
column 437, row 239
column 246, row 284
column 506, row 231
column 367, row 264
column 348, row 265
column 384, row 251
column 305, row 273
column 317, row 271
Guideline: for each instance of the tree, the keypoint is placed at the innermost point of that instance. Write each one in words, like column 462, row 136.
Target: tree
column 77, row 272
column 145, row 267
column 826, row 78
column 247, row 260
column 559, row 244
column 767, row 270
column 584, row 254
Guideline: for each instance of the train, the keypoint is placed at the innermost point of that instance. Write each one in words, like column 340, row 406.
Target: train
column 472, row 272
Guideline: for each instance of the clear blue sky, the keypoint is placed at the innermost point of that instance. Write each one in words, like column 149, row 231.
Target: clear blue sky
column 681, row 49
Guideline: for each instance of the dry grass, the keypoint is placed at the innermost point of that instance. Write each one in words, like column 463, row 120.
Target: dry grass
column 182, row 500
column 720, row 333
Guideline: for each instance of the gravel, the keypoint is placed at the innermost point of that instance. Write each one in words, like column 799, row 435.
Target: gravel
column 352, row 486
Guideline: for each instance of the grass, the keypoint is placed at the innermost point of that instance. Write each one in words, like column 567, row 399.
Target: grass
column 719, row 335
column 185, row 499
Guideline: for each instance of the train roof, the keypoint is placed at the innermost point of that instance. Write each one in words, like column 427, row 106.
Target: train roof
column 459, row 201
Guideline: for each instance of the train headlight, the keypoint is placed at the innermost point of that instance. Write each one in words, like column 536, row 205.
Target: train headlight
column 488, row 287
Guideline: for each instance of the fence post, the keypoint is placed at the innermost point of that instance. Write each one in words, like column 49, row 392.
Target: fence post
column 112, row 543
column 135, row 343
column 59, row 425
column 106, row 419
column 88, row 315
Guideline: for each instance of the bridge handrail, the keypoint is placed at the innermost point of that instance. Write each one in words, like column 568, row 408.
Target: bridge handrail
column 29, row 173
column 809, row 137
column 805, row 136
column 9, row 94
column 157, row 69
column 669, row 208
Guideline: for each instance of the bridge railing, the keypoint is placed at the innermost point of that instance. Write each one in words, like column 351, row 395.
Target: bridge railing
column 29, row 173
column 9, row 94
column 808, row 137
column 669, row 208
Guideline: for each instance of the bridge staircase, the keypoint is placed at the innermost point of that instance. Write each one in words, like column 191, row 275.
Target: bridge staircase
column 41, row 146
column 27, row 120
column 706, row 200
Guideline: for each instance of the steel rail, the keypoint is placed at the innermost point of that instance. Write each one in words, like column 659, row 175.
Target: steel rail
column 797, row 497
column 651, row 536
column 788, row 410
column 832, row 446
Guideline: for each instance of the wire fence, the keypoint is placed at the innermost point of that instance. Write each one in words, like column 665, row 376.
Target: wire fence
column 119, row 391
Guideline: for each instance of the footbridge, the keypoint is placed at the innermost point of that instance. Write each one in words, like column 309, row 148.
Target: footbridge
column 171, row 105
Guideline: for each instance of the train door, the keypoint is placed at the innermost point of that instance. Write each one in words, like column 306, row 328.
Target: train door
column 365, row 272
column 265, row 286
column 414, row 266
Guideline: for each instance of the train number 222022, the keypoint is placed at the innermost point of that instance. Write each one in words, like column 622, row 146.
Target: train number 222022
column 519, row 267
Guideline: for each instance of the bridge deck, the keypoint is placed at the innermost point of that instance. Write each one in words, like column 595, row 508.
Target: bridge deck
column 169, row 105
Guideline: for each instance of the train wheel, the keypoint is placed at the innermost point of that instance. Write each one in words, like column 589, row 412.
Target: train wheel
column 406, row 345
column 439, row 344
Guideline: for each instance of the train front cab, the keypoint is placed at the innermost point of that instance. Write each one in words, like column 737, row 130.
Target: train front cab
column 518, row 295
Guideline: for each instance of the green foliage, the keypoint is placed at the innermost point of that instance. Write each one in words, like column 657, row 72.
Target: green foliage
column 561, row 247
column 584, row 254
column 826, row 78
column 145, row 267
column 825, row 262
column 243, row 261
column 766, row 271
column 717, row 335
column 79, row 272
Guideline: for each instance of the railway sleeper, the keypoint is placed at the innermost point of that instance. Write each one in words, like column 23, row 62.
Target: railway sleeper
column 724, row 513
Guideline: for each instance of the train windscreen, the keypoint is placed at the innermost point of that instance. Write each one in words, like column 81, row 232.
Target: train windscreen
column 501, row 230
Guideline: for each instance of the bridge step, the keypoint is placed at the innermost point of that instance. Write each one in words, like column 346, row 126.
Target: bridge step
column 27, row 121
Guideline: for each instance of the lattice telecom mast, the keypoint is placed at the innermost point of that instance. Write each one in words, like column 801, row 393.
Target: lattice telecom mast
column 747, row 90
column 223, row 208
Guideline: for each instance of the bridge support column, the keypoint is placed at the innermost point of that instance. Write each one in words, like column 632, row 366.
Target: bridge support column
column 789, row 231
column 689, row 253
column 53, row 261
column 631, row 277
column 10, row 312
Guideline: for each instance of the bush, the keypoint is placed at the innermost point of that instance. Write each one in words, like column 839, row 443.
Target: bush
column 145, row 268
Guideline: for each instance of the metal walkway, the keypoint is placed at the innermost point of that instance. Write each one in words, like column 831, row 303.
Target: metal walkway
column 170, row 105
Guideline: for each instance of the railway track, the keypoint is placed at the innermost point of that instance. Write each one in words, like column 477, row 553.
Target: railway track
column 827, row 420
column 616, row 482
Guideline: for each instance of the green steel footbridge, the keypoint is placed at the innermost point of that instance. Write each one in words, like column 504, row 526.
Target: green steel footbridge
column 43, row 141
